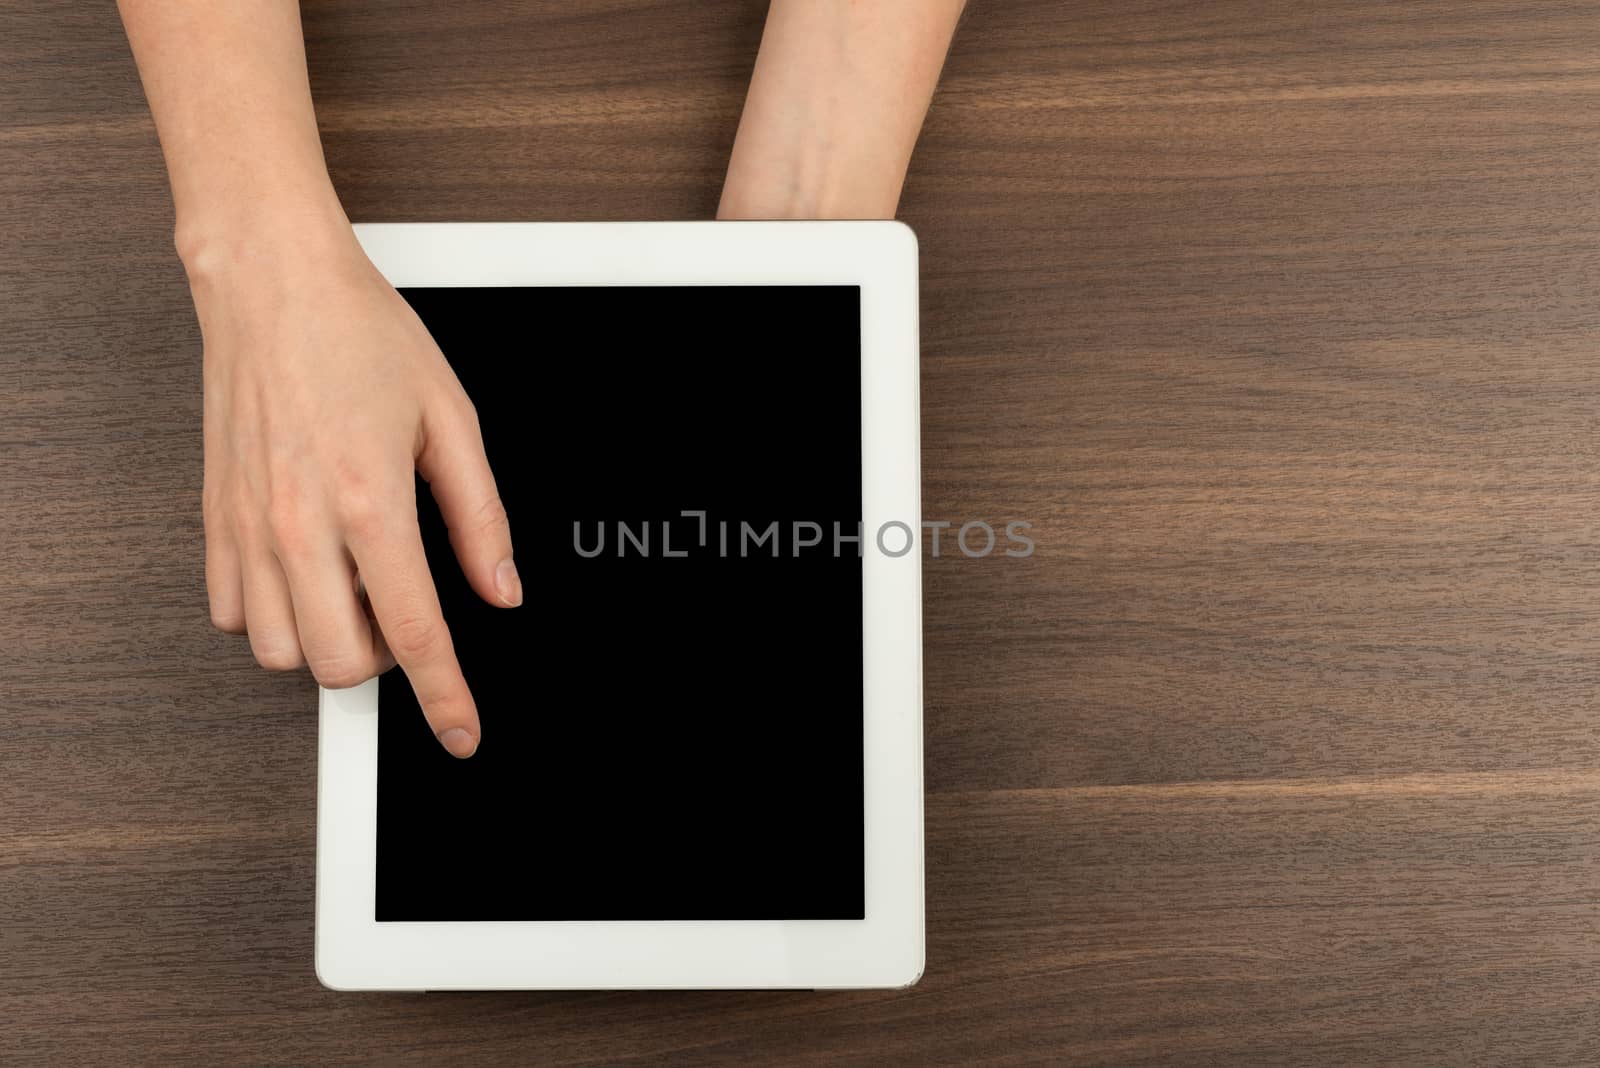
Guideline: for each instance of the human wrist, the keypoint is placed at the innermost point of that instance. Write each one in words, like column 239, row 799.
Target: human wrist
column 776, row 193
column 815, row 164
column 287, row 231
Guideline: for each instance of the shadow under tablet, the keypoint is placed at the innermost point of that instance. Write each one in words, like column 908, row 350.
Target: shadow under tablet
column 664, row 738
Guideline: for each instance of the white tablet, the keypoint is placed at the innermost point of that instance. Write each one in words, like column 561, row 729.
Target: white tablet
column 701, row 762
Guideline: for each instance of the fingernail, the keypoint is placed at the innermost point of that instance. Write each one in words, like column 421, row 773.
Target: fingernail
column 508, row 582
column 458, row 742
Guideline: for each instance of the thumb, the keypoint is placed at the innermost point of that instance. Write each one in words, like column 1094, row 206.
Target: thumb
column 453, row 463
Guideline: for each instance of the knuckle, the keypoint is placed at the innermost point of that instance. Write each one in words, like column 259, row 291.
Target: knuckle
column 227, row 621
column 339, row 672
column 413, row 638
column 286, row 523
column 278, row 656
column 490, row 516
column 359, row 511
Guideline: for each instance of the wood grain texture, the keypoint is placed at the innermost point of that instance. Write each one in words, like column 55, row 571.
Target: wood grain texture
column 1277, row 320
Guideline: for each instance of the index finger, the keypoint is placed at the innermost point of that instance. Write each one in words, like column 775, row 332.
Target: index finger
column 394, row 569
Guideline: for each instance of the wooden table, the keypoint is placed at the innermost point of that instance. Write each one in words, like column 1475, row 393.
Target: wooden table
column 1277, row 320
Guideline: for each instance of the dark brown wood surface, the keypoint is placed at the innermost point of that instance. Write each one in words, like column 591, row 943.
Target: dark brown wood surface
column 1279, row 322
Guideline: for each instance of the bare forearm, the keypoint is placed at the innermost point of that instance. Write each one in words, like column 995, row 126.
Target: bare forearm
column 228, row 88
column 835, row 106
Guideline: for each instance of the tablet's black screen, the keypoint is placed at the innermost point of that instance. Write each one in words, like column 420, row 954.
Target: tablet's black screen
column 665, row 737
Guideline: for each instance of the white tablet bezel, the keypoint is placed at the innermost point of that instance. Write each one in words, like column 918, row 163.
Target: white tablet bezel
column 354, row 952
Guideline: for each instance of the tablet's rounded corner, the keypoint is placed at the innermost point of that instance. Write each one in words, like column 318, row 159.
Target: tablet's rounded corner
column 915, row 979
column 905, row 238
column 910, row 977
column 328, row 973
